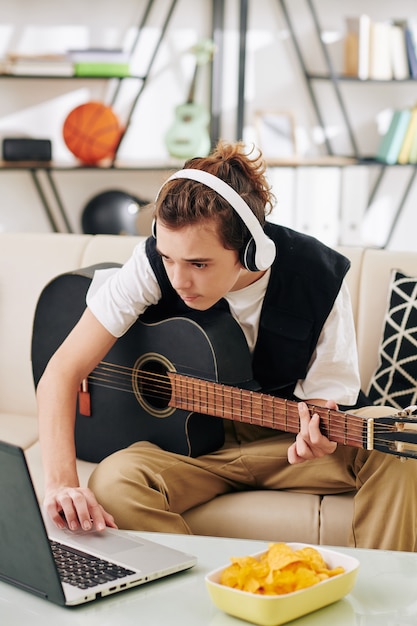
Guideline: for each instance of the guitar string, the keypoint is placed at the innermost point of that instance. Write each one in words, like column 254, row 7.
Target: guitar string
column 164, row 386
column 356, row 437
column 165, row 390
column 256, row 416
column 236, row 391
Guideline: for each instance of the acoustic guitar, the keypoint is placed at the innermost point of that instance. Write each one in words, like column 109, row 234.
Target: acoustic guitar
column 169, row 382
column 188, row 136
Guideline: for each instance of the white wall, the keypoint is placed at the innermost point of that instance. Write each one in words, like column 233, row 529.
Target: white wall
column 327, row 202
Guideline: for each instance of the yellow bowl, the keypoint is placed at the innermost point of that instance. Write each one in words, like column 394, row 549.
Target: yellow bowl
column 275, row 610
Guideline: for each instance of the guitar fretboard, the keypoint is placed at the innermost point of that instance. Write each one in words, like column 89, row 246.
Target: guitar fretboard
column 260, row 409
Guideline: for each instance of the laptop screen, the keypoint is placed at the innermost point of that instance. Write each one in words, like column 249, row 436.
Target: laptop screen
column 25, row 556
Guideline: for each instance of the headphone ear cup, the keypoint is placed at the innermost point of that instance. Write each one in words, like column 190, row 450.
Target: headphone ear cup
column 153, row 228
column 247, row 255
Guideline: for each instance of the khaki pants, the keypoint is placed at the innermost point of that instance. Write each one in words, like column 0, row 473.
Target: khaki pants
column 148, row 489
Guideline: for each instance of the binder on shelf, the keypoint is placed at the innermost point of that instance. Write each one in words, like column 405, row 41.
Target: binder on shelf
column 351, row 47
column 390, row 145
column 411, row 45
column 355, row 185
column 364, row 45
column 380, row 65
column 356, row 46
column 317, row 202
column 283, row 179
column 404, row 155
column 398, row 48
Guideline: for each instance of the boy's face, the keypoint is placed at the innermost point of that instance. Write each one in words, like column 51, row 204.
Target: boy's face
column 200, row 269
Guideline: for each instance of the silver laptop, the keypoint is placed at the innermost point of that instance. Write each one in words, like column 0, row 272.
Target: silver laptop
column 65, row 567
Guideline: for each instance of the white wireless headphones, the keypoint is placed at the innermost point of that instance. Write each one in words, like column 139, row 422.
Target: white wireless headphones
column 259, row 252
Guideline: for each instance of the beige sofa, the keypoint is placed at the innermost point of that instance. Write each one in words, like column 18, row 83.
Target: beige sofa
column 29, row 261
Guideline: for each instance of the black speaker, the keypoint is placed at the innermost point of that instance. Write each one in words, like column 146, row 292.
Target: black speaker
column 20, row 149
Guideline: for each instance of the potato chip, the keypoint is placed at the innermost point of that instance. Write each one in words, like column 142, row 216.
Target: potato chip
column 277, row 571
column 280, row 555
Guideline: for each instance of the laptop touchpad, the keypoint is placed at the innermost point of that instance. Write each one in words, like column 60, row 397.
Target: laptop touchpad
column 105, row 542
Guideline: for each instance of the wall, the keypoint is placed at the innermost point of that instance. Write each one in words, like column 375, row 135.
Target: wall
column 328, row 202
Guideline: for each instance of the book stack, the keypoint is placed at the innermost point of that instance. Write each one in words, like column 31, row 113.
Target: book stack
column 38, row 65
column 100, row 62
column 380, row 50
column 399, row 144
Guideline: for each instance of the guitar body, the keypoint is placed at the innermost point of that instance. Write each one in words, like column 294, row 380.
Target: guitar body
column 188, row 137
column 124, row 406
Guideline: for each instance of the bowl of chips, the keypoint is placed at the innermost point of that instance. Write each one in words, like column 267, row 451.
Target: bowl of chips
column 285, row 582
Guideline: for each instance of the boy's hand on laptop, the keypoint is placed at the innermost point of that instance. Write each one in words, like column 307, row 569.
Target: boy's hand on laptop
column 77, row 508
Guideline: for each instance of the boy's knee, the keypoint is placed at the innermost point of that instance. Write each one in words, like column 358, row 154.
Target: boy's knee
column 107, row 476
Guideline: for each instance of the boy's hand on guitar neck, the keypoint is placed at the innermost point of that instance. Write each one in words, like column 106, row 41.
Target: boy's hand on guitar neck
column 310, row 443
column 77, row 509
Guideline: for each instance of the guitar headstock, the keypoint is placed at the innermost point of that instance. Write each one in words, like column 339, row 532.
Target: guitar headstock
column 397, row 434
column 204, row 51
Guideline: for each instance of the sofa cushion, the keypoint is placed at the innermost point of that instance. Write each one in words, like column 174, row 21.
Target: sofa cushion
column 336, row 515
column 394, row 382
column 20, row 430
column 28, row 262
column 284, row 516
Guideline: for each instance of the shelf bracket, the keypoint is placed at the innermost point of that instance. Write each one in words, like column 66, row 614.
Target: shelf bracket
column 302, row 63
column 333, row 79
column 144, row 79
column 217, row 70
column 34, row 175
column 243, row 25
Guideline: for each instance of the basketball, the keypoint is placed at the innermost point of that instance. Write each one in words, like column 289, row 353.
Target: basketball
column 92, row 132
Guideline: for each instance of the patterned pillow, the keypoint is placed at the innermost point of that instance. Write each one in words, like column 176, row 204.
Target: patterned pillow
column 394, row 383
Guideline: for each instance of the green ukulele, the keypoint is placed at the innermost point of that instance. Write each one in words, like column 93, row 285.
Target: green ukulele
column 188, row 137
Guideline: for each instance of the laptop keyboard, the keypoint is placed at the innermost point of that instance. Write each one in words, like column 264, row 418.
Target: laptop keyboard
column 83, row 570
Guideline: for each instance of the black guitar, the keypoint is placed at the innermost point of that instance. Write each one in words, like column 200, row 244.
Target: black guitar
column 168, row 382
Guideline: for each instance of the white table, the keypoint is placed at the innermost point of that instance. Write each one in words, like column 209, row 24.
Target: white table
column 385, row 594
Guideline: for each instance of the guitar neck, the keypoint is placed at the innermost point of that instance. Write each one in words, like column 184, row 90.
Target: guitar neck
column 191, row 92
column 260, row 409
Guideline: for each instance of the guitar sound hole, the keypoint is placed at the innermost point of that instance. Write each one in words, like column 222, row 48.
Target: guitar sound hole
column 152, row 386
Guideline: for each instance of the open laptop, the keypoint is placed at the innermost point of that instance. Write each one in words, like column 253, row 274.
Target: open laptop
column 33, row 552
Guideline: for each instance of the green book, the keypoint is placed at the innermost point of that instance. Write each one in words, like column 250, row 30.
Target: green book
column 88, row 68
column 391, row 143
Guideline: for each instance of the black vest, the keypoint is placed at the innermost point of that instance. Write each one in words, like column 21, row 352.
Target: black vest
column 306, row 277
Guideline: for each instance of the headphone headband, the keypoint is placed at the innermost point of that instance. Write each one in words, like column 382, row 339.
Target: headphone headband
column 264, row 246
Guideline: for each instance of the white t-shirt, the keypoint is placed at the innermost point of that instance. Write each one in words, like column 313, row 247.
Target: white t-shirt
column 118, row 296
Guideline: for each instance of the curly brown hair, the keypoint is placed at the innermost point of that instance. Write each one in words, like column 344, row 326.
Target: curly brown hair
column 182, row 201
